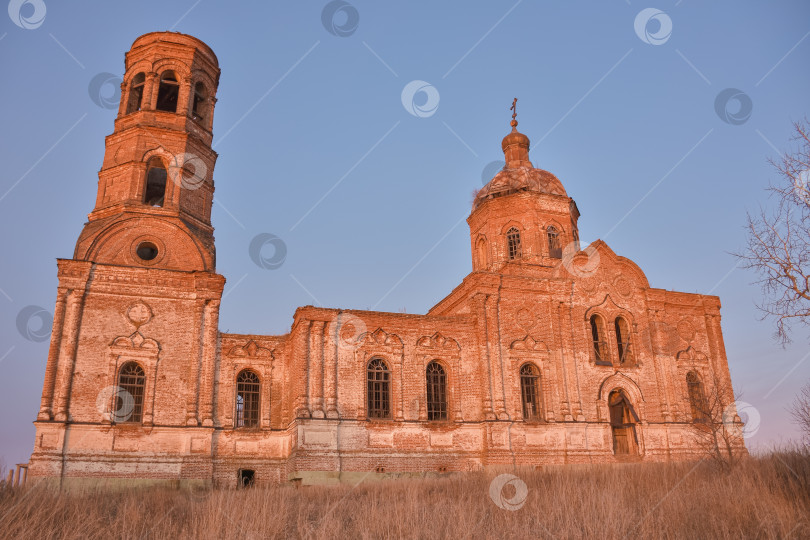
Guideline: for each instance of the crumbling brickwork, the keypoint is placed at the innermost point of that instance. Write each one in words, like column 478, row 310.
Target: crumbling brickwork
column 604, row 356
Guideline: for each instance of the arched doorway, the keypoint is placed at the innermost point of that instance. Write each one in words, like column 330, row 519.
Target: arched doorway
column 623, row 419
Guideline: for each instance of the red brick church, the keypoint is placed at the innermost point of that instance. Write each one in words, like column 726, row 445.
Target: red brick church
column 544, row 354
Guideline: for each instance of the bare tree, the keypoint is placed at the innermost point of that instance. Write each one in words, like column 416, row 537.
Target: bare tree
column 778, row 247
column 718, row 430
column 800, row 411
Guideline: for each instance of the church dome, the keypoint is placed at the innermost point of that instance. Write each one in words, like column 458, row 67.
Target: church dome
column 518, row 174
column 514, row 180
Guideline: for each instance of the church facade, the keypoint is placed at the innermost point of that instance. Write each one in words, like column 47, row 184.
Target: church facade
column 546, row 353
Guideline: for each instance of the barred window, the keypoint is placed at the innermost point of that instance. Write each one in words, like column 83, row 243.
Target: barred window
column 513, row 242
column 436, row 392
column 379, row 389
column 554, row 249
column 168, row 90
column 623, row 341
column 697, row 399
column 530, row 391
column 128, row 405
column 247, row 399
column 599, row 342
column 135, row 93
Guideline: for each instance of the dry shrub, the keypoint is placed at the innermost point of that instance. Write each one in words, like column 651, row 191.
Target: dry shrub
column 763, row 497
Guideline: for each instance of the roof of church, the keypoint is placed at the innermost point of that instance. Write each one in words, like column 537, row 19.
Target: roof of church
column 514, row 180
column 518, row 173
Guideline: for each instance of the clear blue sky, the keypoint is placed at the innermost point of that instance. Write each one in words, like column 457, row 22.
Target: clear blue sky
column 628, row 126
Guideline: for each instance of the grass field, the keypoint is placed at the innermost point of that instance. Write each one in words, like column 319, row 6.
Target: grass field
column 762, row 497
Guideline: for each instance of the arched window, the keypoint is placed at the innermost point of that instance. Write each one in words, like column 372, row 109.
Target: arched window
column 128, row 406
column 599, row 341
column 530, row 391
column 697, row 399
column 623, row 421
column 436, row 392
column 247, row 399
column 155, row 191
column 481, row 253
column 198, row 107
column 135, row 93
column 168, row 90
column 513, row 244
column 379, row 389
column 623, row 341
column 554, row 249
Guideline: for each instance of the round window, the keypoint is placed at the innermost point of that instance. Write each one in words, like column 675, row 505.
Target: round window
column 147, row 251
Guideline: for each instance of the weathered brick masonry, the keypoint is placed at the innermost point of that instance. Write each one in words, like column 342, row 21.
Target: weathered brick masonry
column 544, row 354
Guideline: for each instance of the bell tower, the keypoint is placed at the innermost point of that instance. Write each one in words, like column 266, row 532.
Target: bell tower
column 135, row 328
column 155, row 187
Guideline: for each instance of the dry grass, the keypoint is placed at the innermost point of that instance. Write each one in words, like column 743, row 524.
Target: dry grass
column 763, row 497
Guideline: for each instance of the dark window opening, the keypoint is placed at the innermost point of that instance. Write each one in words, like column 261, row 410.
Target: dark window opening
column 436, row 392
column 128, row 405
column 246, row 477
column 623, row 341
column 247, row 399
column 697, row 399
column 599, row 342
column 198, row 108
column 554, row 249
column 168, row 91
column 155, row 192
column 147, row 251
column 530, row 391
column 513, row 242
column 379, row 389
column 623, row 421
column 136, row 93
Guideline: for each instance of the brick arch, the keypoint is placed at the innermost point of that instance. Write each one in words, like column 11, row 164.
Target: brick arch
column 141, row 66
column 622, row 382
column 111, row 245
column 200, row 75
column 513, row 223
column 180, row 68
column 609, row 309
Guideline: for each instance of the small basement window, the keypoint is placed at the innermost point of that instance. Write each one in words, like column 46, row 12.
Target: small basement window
column 246, row 477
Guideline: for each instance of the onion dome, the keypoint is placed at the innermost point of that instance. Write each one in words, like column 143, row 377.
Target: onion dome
column 518, row 174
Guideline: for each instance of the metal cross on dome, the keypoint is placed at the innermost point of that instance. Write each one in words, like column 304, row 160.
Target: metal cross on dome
column 514, row 109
